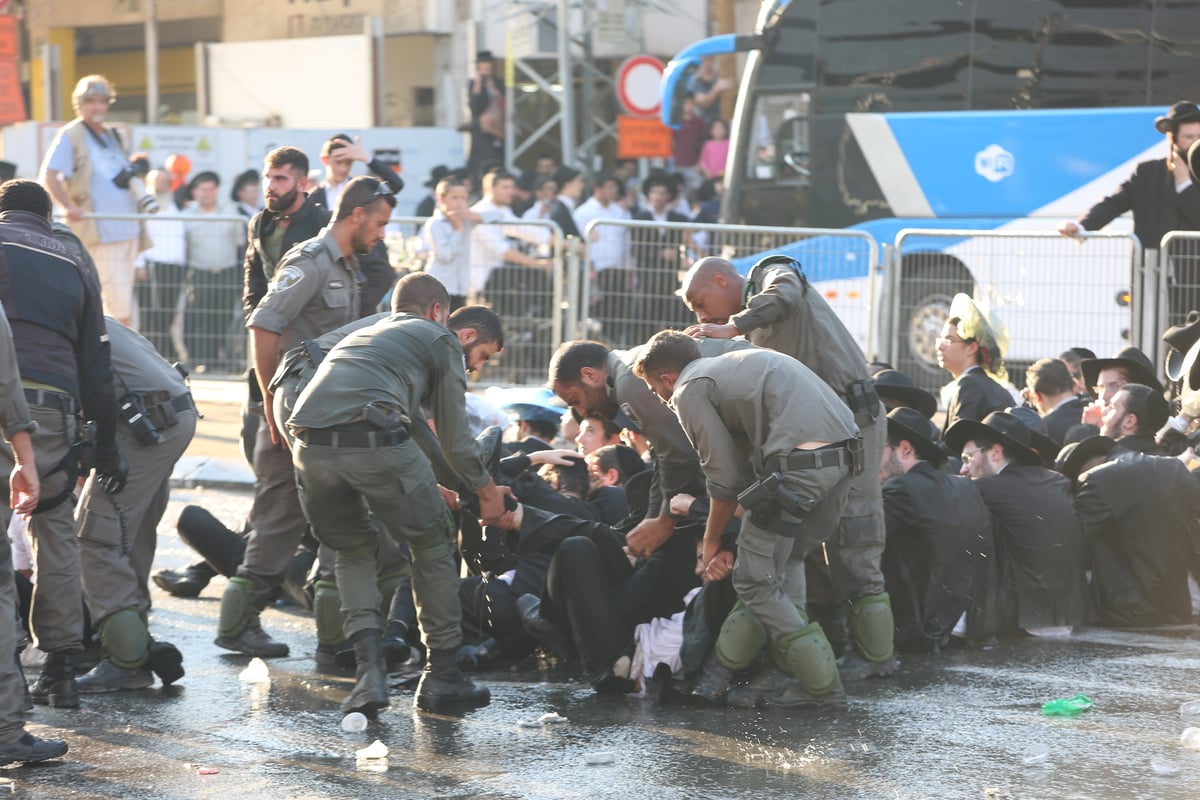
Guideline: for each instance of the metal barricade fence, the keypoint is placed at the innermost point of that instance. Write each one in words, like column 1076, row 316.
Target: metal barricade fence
column 634, row 270
column 190, row 307
column 1051, row 293
column 1178, row 276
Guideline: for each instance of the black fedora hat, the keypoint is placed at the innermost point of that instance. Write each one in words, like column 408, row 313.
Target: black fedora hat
column 1130, row 358
column 998, row 426
column 436, row 174
column 483, row 56
column 916, row 428
column 894, row 385
column 1072, row 458
column 1180, row 338
column 1183, row 111
column 1040, row 439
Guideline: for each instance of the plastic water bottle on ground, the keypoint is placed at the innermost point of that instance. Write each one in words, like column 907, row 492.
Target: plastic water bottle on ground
column 255, row 672
column 354, row 722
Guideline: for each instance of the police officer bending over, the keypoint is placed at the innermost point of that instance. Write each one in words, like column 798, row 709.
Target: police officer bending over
column 774, row 438
column 351, row 425
column 63, row 352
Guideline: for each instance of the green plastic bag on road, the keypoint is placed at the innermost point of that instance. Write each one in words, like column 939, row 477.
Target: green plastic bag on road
column 1068, row 706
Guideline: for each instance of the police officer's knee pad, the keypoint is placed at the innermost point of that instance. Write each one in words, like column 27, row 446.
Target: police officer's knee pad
column 125, row 638
column 806, row 654
column 741, row 637
column 237, row 608
column 431, row 546
column 327, row 609
column 872, row 626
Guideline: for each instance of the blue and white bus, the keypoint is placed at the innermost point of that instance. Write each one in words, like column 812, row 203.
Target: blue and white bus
column 988, row 115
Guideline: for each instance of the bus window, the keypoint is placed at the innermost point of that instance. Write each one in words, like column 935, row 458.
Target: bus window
column 780, row 136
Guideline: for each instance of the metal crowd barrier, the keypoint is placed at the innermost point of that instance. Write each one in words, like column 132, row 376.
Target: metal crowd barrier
column 634, row 271
column 1179, row 277
column 193, row 312
column 1050, row 292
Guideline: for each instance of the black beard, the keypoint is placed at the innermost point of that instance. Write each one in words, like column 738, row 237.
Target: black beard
column 282, row 203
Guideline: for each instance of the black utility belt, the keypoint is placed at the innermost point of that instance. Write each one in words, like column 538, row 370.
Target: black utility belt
column 362, row 439
column 163, row 410
column 834, row 455
column 48, row 399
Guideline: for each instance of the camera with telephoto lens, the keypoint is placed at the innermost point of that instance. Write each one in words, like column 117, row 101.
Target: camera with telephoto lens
column 133, row 411
column 131, row 177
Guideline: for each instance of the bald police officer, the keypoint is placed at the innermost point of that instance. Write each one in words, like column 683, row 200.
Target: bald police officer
column 774, row 306
column 314, row 290
column 354, row 457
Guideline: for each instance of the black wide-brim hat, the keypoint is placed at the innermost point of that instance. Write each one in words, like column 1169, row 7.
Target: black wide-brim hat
column 1180, row 338
column 998, row 426
column 436, row 175
column 892, row 384
column 913, row 426
column 1039, row 438
column 1072, row 458
column 1181, row 112
column 1134, row 360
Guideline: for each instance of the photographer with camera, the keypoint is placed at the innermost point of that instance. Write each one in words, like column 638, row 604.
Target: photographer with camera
column 87, row 171
column 62, row 349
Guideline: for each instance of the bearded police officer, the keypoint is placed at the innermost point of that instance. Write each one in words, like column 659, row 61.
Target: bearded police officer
column 53, row 306
column 775, row 307
column 314, row 290
column 117, row 534
column 354, row 457
column 774, row 438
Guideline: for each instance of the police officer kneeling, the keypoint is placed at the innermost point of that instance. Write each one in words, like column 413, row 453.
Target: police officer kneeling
column 354, row 458
column 774, row 438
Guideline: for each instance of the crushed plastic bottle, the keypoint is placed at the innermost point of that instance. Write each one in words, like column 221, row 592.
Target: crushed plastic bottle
column 1190, row 738
column 375, row 749
column 354, row 722
column 1190, row 709
column 1068, row 706
column 255, row 672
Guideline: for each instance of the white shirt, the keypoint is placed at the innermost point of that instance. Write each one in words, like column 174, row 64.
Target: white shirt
column 332, row 192
column 610, row 248
column 170, row 243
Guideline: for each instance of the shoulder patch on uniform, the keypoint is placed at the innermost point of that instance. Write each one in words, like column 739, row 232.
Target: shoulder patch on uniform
column 286, row 279
column 311, row 247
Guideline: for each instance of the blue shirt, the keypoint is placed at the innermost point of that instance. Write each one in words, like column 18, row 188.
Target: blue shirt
column 107, row 159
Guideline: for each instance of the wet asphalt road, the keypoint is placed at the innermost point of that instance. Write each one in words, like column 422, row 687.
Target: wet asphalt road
column 957, row 726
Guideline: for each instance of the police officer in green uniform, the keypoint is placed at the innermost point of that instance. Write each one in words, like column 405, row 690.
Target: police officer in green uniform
column 117, row 535
column 774, row 306
column 355, row 457
column 314, row 290
column 774, row 438
column 16, row 744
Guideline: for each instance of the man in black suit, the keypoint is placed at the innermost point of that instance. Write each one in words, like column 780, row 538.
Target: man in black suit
column 1160, row 193
column 1135, row 510
column 658, row 254
column 969, row 348
column 1133, row 417
column 1039, row 543
column 938, row 530
column 1049, row 387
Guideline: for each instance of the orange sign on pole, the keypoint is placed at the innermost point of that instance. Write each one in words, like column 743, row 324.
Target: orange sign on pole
column 12, row 102
column 641, row 137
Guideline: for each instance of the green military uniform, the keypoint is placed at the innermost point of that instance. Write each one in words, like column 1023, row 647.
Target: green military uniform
column 294, row 373
column 783, row 313
column 744, row 412
column 117, row 535
column 348, row 469
column 314, row 289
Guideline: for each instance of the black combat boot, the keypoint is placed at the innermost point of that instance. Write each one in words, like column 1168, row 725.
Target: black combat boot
column 444, row 686
column 188, row 582
column 712, row 685
column 370, row 693
column 56, row 685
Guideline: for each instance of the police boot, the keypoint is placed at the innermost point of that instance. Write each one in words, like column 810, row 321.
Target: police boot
column 806, row 656
column 443, row 685
column 188, row 582
column 30, row 748
column 370, row 693
column 238, row 627
column 126, row 643
column 871, row 633
column 713, row 683
column 56, row 686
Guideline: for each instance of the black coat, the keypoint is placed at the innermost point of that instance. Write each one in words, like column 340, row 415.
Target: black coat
column 1157, row 208
column 1137, row 443
column 975, row 396
column 1136, row 511
column 938, row 528
column 1063, row 418
column 1039, row 547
